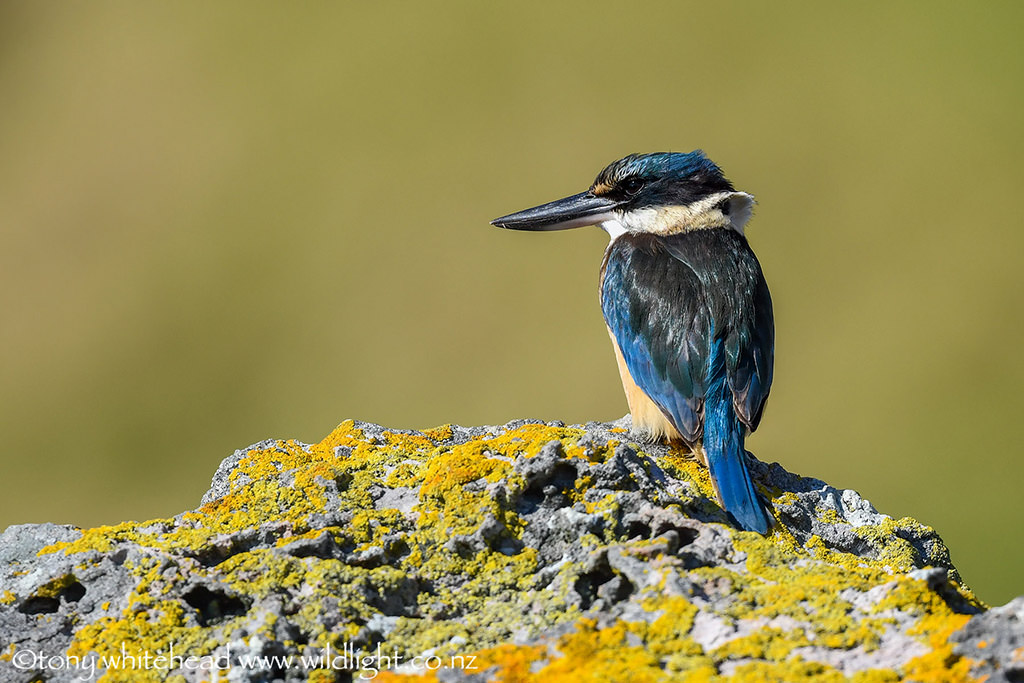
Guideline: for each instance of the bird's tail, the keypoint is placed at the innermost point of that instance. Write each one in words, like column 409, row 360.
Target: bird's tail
column 723, row 446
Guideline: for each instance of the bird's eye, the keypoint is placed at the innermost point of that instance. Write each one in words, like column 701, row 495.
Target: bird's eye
column 631, row 185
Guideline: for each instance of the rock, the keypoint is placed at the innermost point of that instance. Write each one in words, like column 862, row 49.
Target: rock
column 532, row 551
column 995, row 641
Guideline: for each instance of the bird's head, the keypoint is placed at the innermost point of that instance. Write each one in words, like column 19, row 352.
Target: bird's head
column 662, row 193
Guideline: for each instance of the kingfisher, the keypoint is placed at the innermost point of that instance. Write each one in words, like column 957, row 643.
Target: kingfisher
column 686, row 306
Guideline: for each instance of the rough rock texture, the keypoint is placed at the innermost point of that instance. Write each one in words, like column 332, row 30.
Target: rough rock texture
column 995, row 641
column 528, row 552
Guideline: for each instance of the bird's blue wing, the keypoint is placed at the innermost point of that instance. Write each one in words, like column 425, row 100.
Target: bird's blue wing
column 740, row 307
column 655, row 307
column 663, row 295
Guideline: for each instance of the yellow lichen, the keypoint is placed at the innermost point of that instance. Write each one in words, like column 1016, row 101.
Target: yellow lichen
column 592, row 654
column 829, row 516
column 54, row 587
column 283, row 486
column 772, row 644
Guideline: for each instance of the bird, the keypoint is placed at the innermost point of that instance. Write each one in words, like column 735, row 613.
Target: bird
column 686, row 305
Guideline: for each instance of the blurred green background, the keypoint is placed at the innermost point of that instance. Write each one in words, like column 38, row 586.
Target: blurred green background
column 226, row 222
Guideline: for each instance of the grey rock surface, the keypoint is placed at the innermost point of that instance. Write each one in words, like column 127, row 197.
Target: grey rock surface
column 572, row 549
column 995, row 640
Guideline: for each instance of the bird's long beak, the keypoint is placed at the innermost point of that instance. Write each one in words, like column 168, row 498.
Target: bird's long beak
column 572, row 212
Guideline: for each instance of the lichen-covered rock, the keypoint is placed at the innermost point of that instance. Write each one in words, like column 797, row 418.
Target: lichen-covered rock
column 995, row 642
column 528, row 552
